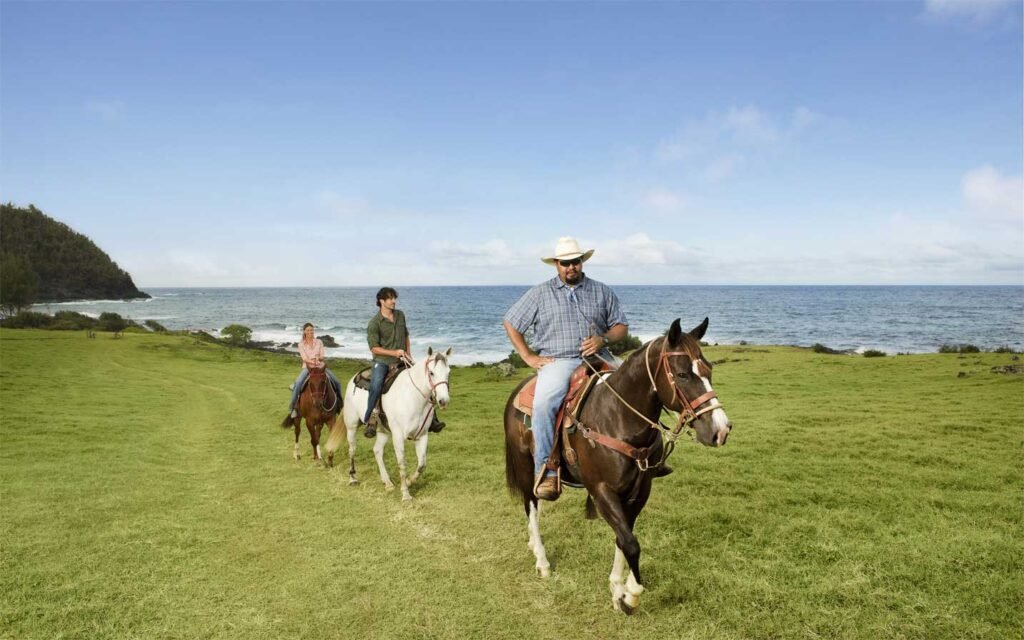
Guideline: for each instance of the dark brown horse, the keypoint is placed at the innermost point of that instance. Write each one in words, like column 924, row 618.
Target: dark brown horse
column 618, row 442
column 318, row 405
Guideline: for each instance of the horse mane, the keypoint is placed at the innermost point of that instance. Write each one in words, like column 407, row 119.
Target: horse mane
column 687, row 345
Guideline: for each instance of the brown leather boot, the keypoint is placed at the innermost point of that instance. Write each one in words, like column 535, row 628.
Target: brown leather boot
column 371, row 426
column 662, row 470
column 435, row 424
column 547, row 488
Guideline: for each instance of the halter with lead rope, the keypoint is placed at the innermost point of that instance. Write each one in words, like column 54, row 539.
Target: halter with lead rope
column 689, row 410
column 431, row 395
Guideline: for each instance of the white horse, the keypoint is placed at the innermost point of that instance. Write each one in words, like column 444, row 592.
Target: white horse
column 409, row 405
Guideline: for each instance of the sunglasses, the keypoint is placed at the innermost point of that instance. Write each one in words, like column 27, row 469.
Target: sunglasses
column 571, row 263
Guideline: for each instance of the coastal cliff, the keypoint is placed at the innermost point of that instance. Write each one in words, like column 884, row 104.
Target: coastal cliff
column 64, row 264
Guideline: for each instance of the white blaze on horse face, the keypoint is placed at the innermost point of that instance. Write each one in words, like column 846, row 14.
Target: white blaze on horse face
column 718, row 417
column 439, row 374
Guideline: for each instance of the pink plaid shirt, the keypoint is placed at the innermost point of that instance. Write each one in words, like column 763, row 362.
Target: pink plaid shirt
column 311, row 354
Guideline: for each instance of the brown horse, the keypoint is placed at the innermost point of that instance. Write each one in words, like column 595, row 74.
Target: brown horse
column 319, row 405
column 618, row 443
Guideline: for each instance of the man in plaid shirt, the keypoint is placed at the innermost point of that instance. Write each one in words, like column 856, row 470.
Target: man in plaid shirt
column 572, row 316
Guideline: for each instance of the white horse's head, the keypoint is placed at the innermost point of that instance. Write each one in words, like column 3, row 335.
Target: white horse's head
column 437, row 374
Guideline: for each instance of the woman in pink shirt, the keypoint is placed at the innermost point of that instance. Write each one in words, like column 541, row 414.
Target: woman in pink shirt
column 311, row 350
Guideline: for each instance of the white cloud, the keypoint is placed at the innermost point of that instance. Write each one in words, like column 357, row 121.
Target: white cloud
column 975, row 11
column 108, row 111
column 641, row 249
column 722, row 168
column 749, row 125
column 492, row 253
column 665, row 201
column 989, row 193
column 721, row 142
column 340, row 206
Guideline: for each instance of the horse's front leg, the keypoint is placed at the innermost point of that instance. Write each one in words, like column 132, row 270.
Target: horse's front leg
column 314, row 440
column 352, row 437
column 378, row 453
column 399, row 444
column 626, row 590
column 535, row 544
column 421, row 458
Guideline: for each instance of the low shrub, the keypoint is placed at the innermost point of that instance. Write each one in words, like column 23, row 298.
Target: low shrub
column 958, row 348
column 629, row 343
column 874, row 353
column 72, row 320
column 113, row 322
column 817, row 347
column 236, row 335
column 1003, row 349
column 155, row 326
column 503, row 370
column 514, row 360
column 27, row 320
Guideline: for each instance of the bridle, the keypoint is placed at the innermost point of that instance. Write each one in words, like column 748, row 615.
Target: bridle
column 431, row 394
column 688, row 410
column 328, row 387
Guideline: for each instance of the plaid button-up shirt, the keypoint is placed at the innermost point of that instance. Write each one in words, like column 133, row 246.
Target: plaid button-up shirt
column 562, row 316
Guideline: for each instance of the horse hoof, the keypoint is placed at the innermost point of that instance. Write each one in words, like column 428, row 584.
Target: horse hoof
column 623, row 606
column 406, row 498
column 544, row 572
column 352, row 481
column 389, row 487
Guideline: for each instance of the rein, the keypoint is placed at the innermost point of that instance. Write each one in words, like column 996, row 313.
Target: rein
column 430, row 396
column 323, row 396
column 688, row 412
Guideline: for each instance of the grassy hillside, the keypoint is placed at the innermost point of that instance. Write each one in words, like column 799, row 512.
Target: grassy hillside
column 148, row 492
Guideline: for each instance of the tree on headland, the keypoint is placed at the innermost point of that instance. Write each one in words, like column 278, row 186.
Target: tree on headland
column 17, row 284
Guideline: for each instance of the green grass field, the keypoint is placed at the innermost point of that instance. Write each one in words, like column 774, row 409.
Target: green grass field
column 147, row 492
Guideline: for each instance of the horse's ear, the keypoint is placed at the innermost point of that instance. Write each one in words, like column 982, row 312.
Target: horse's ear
column 698, row 331
column 448, row 353
column 674, row 332
column 430, row 351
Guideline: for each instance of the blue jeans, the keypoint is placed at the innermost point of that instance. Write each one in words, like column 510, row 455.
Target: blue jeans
column 380, row 371
column 301, row 380
column 552, row 385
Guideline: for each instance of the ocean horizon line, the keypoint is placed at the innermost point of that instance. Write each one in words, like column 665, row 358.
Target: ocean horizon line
column 612, row 284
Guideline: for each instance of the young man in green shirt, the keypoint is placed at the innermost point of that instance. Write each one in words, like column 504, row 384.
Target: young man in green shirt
column 388, row 338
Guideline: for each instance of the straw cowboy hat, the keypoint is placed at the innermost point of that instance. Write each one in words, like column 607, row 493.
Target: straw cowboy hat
column 568, row 249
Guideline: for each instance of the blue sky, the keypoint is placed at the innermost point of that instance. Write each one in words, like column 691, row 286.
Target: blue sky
column 301, row 143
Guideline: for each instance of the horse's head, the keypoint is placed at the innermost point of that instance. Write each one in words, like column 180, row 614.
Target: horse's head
column 437, row 374
column 317, row 381
column 683, row 383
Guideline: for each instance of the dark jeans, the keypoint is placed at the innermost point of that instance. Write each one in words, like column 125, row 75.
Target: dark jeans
column 380, row 371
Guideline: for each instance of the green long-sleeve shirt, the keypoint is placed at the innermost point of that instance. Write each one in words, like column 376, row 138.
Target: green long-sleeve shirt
column 381, row 332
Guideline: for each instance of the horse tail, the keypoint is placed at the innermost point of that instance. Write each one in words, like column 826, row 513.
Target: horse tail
column 338, row 432
column 287, row 422
column 518, row 468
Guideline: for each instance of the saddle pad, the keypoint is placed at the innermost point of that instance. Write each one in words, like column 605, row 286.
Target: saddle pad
column 523, row 402
column 362, row 379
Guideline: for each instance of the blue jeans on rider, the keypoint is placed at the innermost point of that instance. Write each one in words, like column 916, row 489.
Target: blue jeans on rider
column 552, row 385
column 301, row 380
column 380, row 371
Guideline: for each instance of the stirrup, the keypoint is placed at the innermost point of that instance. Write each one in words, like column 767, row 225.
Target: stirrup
column 542, row 477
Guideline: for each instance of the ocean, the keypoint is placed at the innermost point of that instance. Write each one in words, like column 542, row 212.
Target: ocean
column 909, row 319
